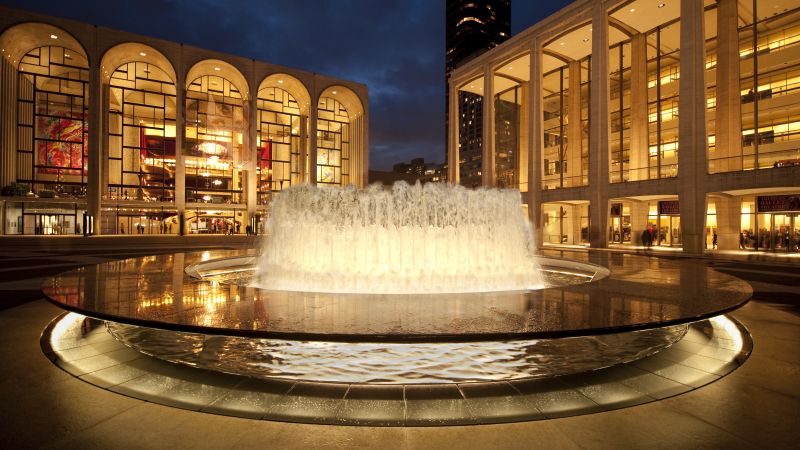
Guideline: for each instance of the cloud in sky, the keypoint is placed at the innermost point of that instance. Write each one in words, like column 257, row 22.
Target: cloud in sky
column 395, row 47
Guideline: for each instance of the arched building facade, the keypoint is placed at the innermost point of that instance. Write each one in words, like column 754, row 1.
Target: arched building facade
column 116, row 133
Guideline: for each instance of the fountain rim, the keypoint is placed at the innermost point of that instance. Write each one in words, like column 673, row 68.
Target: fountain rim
column 49, row 294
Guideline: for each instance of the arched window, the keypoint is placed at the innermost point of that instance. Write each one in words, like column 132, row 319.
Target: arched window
column 333, row 143
column 215, row 124
column 278, row 142
column 141, row 133
column 52, row 132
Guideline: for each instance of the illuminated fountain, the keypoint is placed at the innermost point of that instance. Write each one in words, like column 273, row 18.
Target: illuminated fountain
column 412, row 239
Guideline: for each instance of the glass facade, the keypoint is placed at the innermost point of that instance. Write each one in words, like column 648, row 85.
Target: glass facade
column 333, row 143
column 141, row 134
column 52, row 127
column 663, row 86
column 278, row 143
column 215, row 124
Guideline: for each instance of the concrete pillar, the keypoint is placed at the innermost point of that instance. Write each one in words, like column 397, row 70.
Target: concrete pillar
column 104, row 143
column 180, row 137
column 535, row 143
column 599, row 130
column 8, row 122
column 639, row 148
column 95, row 178
column 728, row 222
column 692, row 171
column 639, row 211
column 573, row 150
column 453, row 172
column 250, row 151
column 487, row 158
column 728, row 120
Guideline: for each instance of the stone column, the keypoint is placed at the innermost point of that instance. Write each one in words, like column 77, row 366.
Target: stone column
column 573, row 150
column 250, row 149
column 180, row 137
column 104, row 142
column 487, row 159
column 8, row 122
column 95, row 178
column 599, row 130
column 729, row 220
column 453, row 171
column 639, row 149
column 728, row 122
column 692, row 171
column 639, row 211
column 535, row 143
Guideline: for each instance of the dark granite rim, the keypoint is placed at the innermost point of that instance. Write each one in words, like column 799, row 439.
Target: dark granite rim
column 740, row 296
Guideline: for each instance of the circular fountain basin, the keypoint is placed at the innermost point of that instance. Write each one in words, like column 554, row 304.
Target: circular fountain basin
column 638, row 293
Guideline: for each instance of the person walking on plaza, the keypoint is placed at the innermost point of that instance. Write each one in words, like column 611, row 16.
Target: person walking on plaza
column 647, row 238
column 714, row 240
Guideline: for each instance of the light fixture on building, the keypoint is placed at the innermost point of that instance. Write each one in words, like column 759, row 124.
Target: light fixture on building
column 585, row 39
column 53, row 36
column 142, row 54
column 661, row 5
column 206, row 197
column 562, row 43
column 510, row 68
column 217, row 182
column 217, row 69
column 334, row 92
column 632, row 10
column 67, row 55
column 280, row 81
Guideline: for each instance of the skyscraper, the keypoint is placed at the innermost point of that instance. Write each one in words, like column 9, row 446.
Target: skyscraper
column 472, row 27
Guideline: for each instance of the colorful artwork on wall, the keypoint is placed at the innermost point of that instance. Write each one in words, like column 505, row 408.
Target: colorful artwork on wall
column 62, row 144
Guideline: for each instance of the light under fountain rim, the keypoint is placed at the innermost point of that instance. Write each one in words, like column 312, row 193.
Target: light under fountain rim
column 706, row 293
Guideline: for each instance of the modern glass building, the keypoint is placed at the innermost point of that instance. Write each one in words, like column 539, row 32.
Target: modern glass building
column 144, row 136
column 681, row 117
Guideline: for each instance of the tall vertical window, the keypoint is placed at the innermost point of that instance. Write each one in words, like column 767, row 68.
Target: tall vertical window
column 663, row 77
column 141, row 134
column 278, row 142
column 333, row 143
column 507, row 114
column 620, row 109
column 556, row 93
column 470, row 133
column 52, row 131
column 215, row 124
column 770, row 84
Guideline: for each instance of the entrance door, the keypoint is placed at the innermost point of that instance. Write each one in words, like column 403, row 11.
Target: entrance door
column 786, row 232
column 616, row 230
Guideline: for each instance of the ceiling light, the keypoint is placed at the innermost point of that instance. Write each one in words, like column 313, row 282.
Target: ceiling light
column 142, row 54
column 661, row 5
column 632, row 10
column 53, row 36
column 280, row 81
column 562, row 43
column 66, row 55
column 334, row 92
column 217, row 69
column 510, row 68
column 585, row 39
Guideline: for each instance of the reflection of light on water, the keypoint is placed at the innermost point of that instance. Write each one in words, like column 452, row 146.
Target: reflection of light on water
column 396, row 363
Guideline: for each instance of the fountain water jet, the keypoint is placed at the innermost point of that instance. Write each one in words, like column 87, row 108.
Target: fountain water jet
column 408, row 240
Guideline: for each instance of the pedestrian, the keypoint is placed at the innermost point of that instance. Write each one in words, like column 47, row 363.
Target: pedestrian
column 714, row 240
column 741, row 241
column 647, row 238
